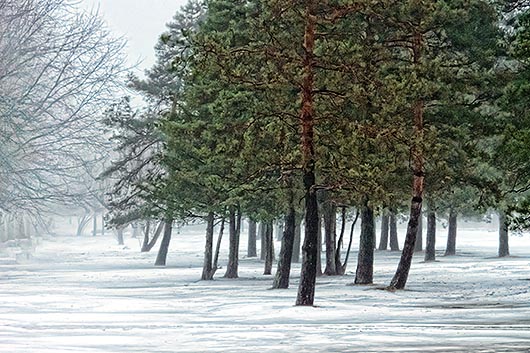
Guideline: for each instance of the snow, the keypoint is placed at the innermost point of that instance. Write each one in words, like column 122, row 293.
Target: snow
column 87, row 294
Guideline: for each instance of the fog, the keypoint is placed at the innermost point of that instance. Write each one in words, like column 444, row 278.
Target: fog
column 175, row 175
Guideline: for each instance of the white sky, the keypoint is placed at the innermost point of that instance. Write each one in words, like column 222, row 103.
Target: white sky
column 139, row 21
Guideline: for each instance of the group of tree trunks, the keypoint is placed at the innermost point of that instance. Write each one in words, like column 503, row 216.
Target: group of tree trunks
column 291, row 236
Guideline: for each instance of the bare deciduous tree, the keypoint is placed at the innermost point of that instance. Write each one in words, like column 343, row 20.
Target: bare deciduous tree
column 58, row 68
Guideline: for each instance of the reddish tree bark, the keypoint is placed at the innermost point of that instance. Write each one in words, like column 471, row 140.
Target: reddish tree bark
column 306, row 288
column 400, row 278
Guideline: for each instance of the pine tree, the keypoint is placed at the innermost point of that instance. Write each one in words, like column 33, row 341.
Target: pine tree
column 435, row 33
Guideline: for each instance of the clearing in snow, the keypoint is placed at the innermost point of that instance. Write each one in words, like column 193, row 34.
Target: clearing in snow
column 87, row 294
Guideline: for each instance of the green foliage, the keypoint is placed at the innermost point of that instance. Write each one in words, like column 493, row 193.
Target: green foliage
column 142, row 187
column 136, row 166
column 225, row 95
column 513, row 150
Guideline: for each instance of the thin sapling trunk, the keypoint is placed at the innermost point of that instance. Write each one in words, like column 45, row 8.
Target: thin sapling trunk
column 338, row 263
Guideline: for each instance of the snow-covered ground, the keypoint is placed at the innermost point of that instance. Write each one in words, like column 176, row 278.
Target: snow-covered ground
column 90, row 295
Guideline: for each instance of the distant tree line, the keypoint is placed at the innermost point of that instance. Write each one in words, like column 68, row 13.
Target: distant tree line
column 58, row 71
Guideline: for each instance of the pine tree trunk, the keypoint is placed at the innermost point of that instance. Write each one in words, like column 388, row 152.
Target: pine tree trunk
column 164, row 245
column 402, row 273
column 102, row 224
column 319, row 248
column 365, row 260
column 451, row 234
column 419, row 236
column 400, row 277
column 233, row 253
column 263, row 247
column 306, row 288
column 273, row 252
column 385, row 223
column 504, row 249
column 394, row 243
column 430, row 249
column 281, row 280
column 269, row 247
column 297, row 239
column 207, row 273
column 218, row 247
column 119, row 234
column 329, row 211
column 340, row 242
column 251, row 248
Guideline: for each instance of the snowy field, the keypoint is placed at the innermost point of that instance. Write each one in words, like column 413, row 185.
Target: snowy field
column 90, row 295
